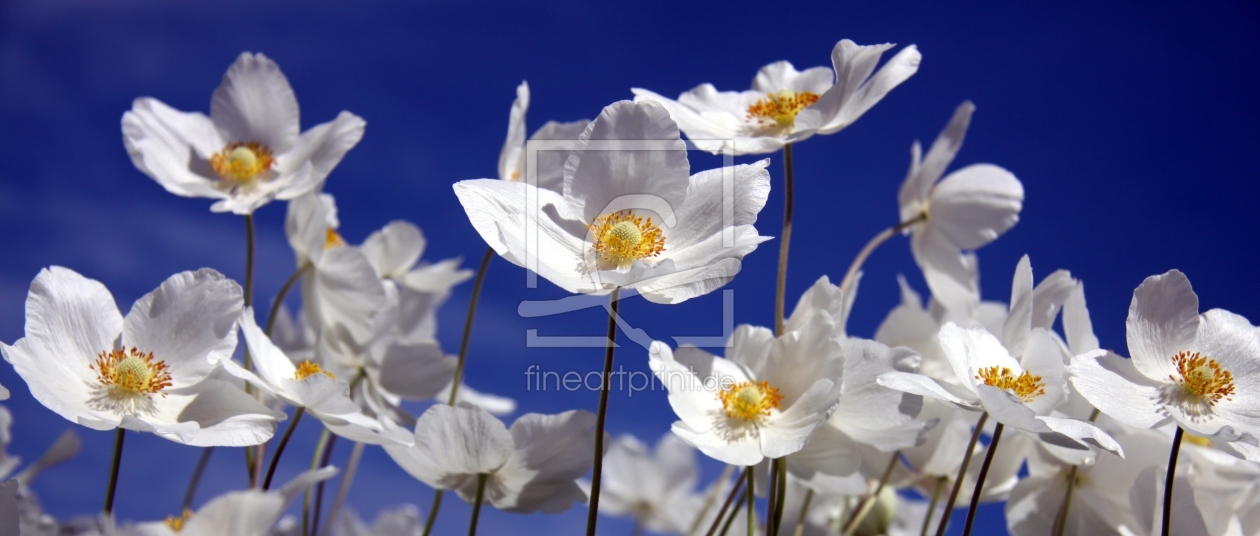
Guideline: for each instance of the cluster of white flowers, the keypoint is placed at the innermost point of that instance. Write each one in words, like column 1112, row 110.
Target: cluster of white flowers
column 841, row 434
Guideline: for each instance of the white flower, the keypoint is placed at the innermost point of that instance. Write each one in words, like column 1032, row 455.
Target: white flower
column 248, row 151
column 1201, row 371
column 307, row 385
column 786, row 105
column 629, row 215
column 532, row 467
column 514, row 158
column 404, row 520
column 239, row 513
column 764, row 400
column 152, row 371
column 964, row 211
column 1018, row 394
column 650, row 488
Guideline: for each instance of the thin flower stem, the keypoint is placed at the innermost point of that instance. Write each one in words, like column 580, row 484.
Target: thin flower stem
column 936, row 495
column 433, row 509
column 319, row 489
column 468, row 324
column 113, row 472
column 773, row 484
column 709, row 499
column 196, row 476
column 739, row 505
column 343, row 491
column 782, row 485
column 320, row 446
column 752, row 509
column 871, row 246
column 736, row 485
column 284, row 441
column 800, row 518
column 601, row 414
column 277, row 303
column 785, row 240
column 1168, row 481
column 1060, row 518
column 476, row 510
column 868, row 502
column 962, row 472
column 984, row 472
column 253, row 457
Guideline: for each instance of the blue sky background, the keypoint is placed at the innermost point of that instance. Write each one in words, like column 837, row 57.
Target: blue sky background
column 1129, row 125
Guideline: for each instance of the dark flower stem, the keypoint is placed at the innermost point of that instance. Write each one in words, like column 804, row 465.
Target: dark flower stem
column 113, row 472
column 1166, row 523
column 962, row 472
column 601, row 415
column 984, row 472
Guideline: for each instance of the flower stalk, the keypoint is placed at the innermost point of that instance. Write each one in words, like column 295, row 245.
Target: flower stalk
column 984, row 472
column 602, row 413
column 962, row 472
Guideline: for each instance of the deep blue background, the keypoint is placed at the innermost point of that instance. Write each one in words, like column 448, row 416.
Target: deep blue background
column 1128, row 124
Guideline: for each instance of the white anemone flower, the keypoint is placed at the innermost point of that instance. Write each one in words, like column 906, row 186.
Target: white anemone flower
column 764, row 400
column 1020, row 394
column 963, row 211
column 403, row 520
column 1200, row 371
column 514, row 163
column 532, row 467
column 248, row 151
column 239, row 513
column 787, row 106
column 629, row 215
column 152, row 371
column 650, row 487
column 309, row 386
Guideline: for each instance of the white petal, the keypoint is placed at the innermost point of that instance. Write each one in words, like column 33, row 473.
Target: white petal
column 255, row 103
column 740, row 446
column 858, row 93
column 788, row 432
column 346, row 292
column 1019, row 321
column 172, row 147
column 1113, row 385
column 918, row 183
column 307, row 222
column 951, row 281
column 976, row 204
column 1077, row 327
column 394, row 249
column 414, row 371
column 322, row 146
column 552, row 451
column 704, row 116
column 438, row 277
column 717, row 200
column 829, row 452
column 453, row 442
column 188, row 322
column 222, row 415
column 630, row 157
column 1163, row 320
column 511, row 157
column 924, row 386
column 972, row 349
column 549, row 174
column 870, row 413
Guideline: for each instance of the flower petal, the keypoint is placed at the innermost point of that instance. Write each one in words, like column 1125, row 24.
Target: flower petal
column 1163, row 320
column 255, row 103
column 856, row 90
column 394, row 249
column 172, row 147
column 323, row 146
column 923, row 174
column 453, row 442
column 976, row 204
column 552, row 451
column 188, row 322
column 1113, row 385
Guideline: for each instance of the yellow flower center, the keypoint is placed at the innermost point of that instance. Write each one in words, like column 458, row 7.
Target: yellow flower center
column 780, row 108
column 242, row 162
column 1203, row 377
column 128, row 380
column 749, row 401
column 622, row 238
column 1196, row 440
column 305, row 369
column 176, row 523
column 1025, row 386
column 332, row 239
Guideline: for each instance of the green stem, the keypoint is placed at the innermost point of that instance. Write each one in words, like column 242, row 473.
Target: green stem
column 196, row 476
column 800, row 518
column 782, row 485
column 319, row 489
column 277, row 303
column 709, row 499
column 752, row 510
column 984, row 472
column 872, row 245
column 730, row 499
column 785, row 240
column 601, row 414
column 433, row 510
column 481, row 491
column 739, row 505
column 343, row 491
column 468, row 324
column 936, row 496
column 284, row 441
column 773, row 490
column 320, row 446
column 1060, row 519
column 868, row 502
column 962, row 473
column 113, row 472
column 253, row 457
column 1166, row 522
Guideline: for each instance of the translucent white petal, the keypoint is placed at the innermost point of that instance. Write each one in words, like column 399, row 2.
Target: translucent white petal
column 255, row 103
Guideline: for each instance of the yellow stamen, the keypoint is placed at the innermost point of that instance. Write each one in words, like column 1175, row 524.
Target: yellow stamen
column 176, row 523
column 305, row 369
column 242, row 162
column 1025, row 386
column 332, row 239
column 780, row 108
column 1203, row 377
column 750, row 401
column 132, row 372
column 622, row 238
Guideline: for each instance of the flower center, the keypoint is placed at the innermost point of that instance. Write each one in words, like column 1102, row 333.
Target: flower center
column 305, row 369
column 242, row 162
column 176, row 523
column 622, row 238
column 780, row 108
column 749, row 401
column 332, row 239
column 128, row 380
column 1203, row 377
column 1025, row 385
